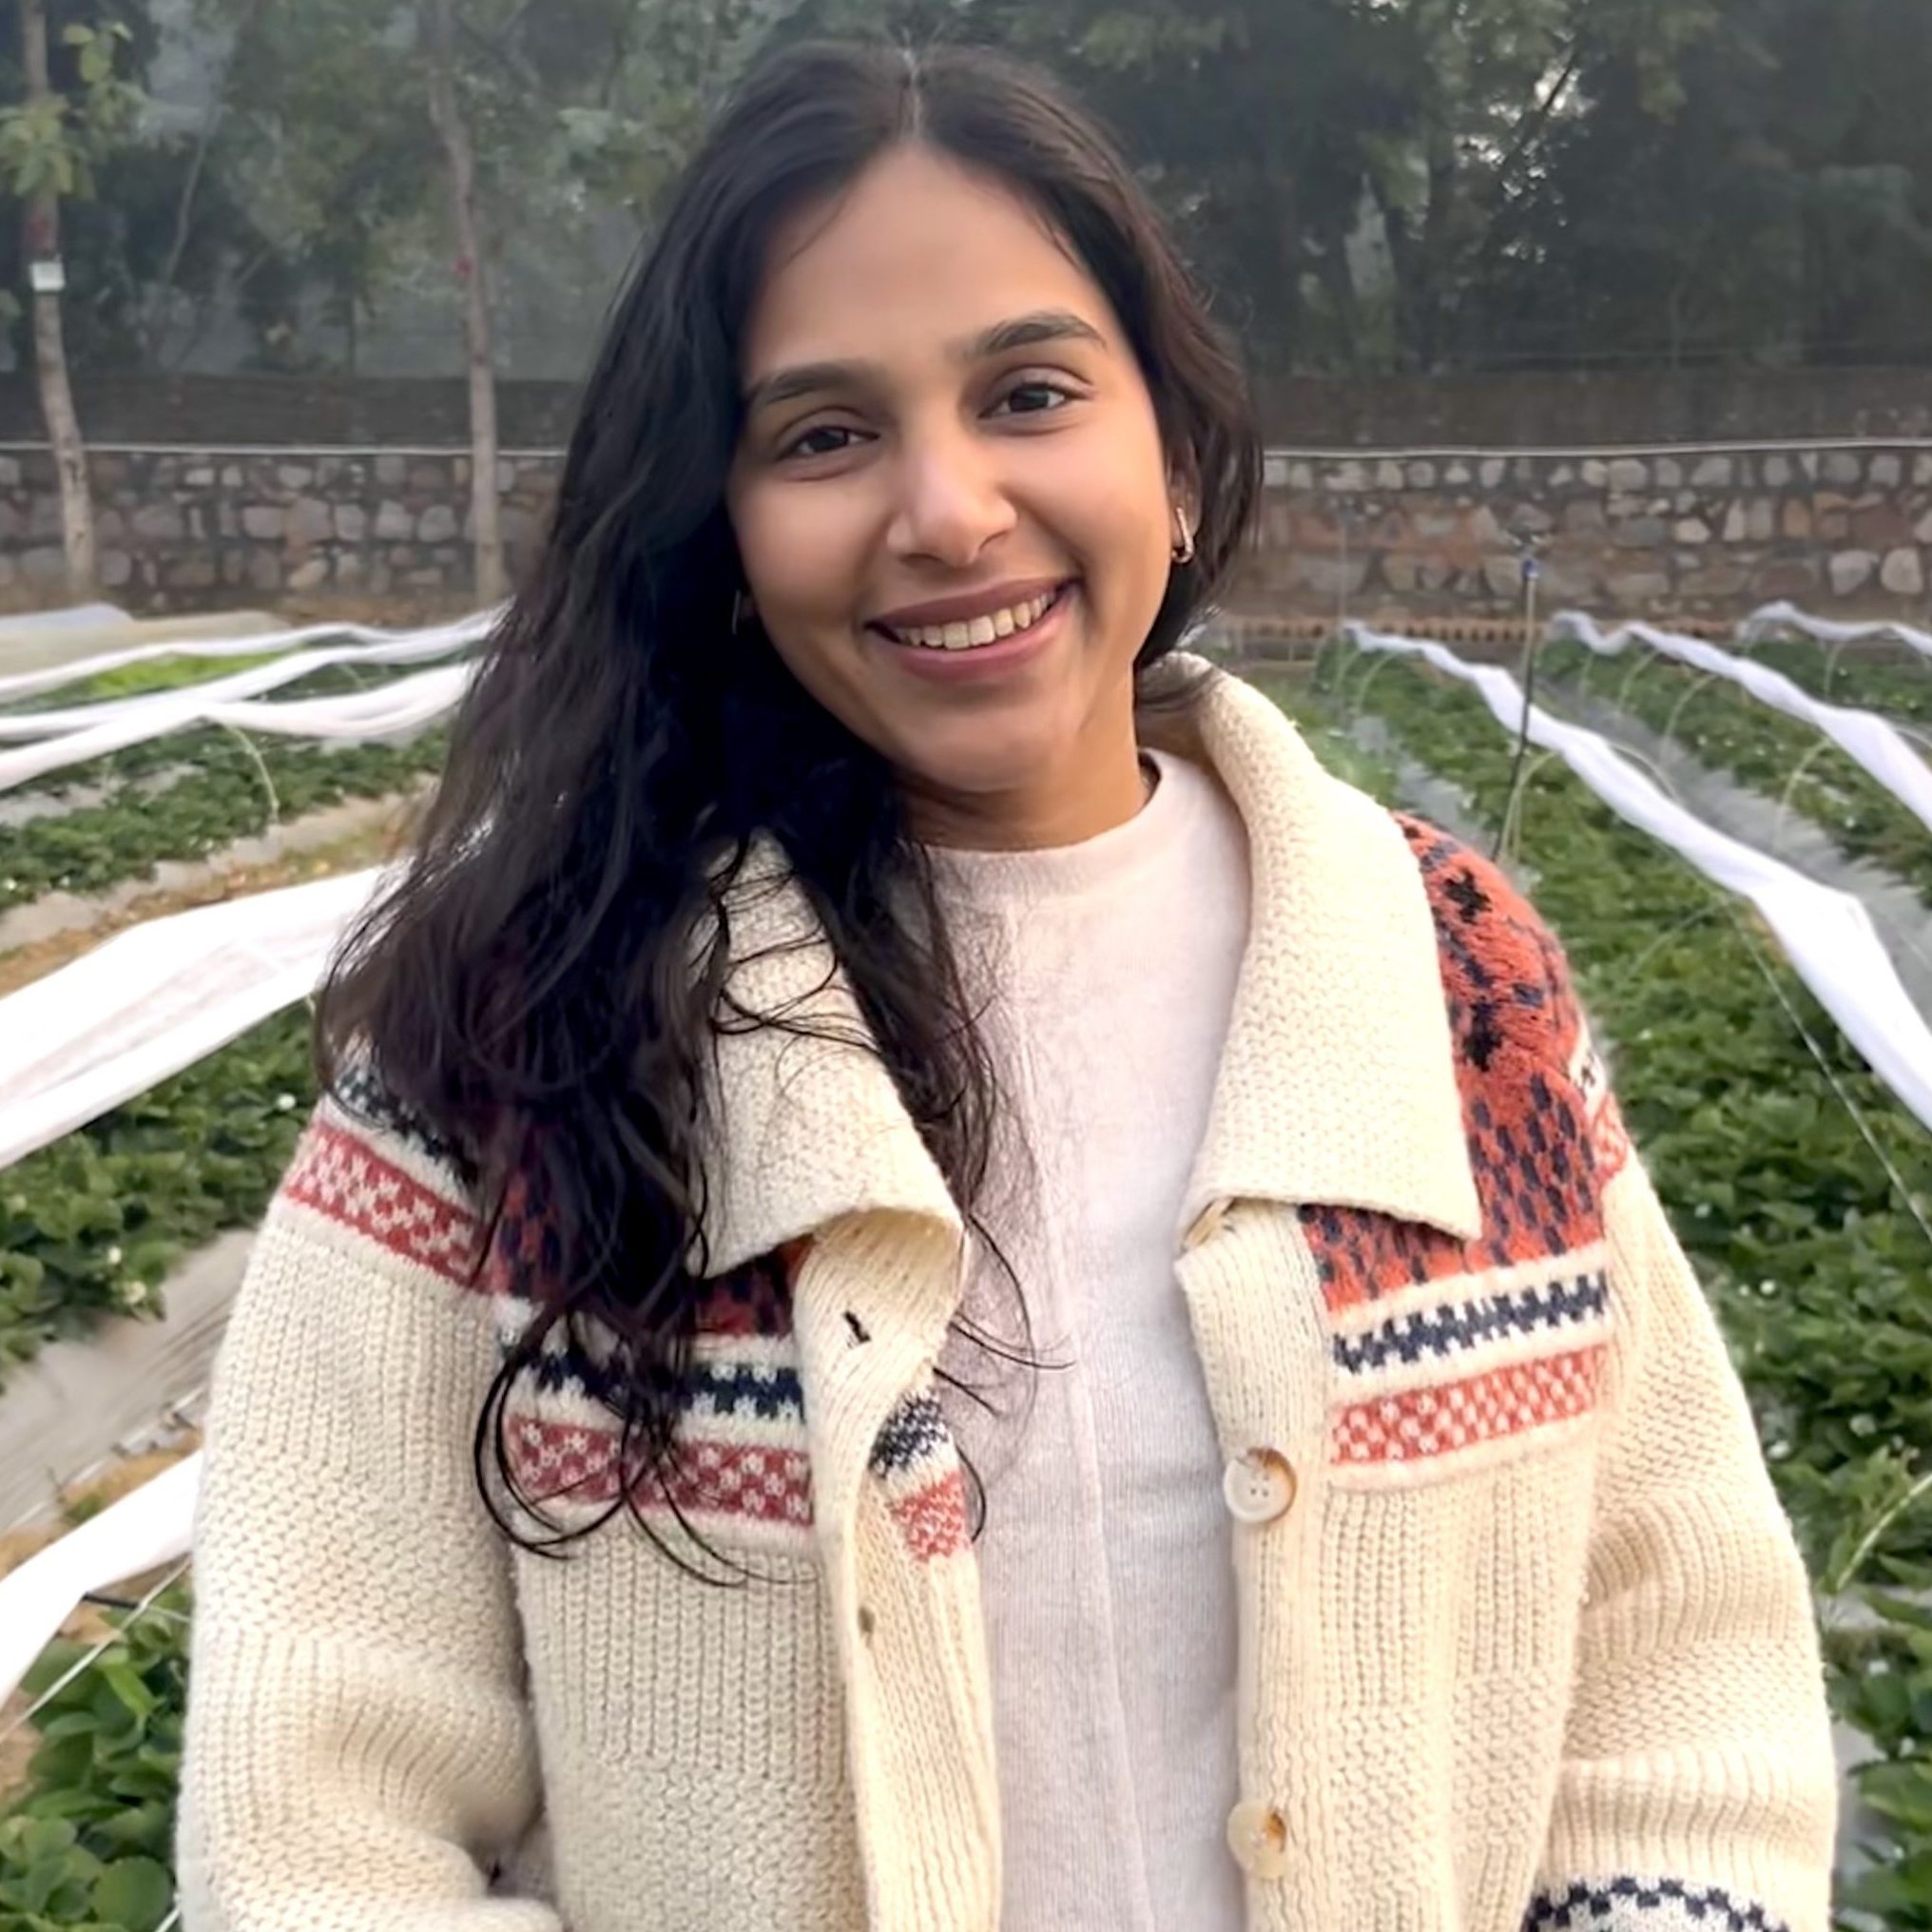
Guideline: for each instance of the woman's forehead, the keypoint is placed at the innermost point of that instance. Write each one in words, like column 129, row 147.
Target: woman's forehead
column 913, row 256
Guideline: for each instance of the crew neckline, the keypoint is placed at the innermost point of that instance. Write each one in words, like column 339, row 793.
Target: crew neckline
column 1055, row 871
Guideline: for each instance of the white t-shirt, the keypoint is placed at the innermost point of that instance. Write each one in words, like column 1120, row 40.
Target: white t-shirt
column 1106, row 973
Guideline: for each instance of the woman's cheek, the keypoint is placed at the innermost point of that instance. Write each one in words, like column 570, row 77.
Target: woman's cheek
column 804, row 552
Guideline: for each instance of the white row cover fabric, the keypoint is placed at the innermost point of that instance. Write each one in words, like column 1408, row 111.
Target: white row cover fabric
column 147, row 1528
column 386, row 711
column 156, row 998
column 1778, row 620
column 1827, row 936
column 46, row 623
column 50, row 677
column 1870, row 741
column 416, row 646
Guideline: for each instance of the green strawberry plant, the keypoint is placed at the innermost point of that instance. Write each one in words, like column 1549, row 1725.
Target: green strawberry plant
column 1897, row 685
column 90, row 1225
column 1723, row 726
column 89, row 1841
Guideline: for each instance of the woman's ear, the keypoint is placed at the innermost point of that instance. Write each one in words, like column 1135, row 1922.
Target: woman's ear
column 1184, row 491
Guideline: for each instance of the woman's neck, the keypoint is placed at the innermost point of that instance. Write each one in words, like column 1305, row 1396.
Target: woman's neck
column 1041, row 818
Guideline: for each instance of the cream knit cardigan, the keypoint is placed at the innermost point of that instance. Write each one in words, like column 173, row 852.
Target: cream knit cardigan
column 1524, row 1638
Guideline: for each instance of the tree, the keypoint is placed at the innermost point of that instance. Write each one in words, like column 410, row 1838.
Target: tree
column 437, row 28
column 1366, row 185
column 376, row 126
column 48, row 143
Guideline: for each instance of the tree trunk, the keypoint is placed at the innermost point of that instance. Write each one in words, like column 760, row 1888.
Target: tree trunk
column 439, row 44
column 41, row 226
column 1436, row 292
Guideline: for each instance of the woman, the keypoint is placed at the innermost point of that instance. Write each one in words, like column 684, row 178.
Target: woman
column 940, row 1286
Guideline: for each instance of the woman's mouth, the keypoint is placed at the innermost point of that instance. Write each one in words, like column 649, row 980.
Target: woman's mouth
column 976, row 633
column 990, row 647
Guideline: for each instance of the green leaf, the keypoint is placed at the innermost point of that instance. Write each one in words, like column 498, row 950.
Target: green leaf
column 136, row 1893
column 63, row 1762
column 129, row 1691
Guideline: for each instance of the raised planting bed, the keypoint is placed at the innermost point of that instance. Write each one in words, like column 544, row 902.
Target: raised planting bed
column 91, row 1225
column 1784, row 760
column 219, row 789
column 1895, row 688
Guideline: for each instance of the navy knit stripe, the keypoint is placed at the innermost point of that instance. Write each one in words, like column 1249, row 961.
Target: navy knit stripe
column 359, row 1093
column 1623, row 1904
column 1435, row 1333
column 913, row 1430
column 767, row 1393
column 770, row 1394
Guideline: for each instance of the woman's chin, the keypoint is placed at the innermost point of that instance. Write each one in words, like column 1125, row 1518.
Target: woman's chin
column 970, row 787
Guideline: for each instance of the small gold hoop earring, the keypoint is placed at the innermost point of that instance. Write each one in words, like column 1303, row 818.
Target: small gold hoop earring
column 1183, row 553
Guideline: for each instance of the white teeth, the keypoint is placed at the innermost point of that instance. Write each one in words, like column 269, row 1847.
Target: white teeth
column 977, row 631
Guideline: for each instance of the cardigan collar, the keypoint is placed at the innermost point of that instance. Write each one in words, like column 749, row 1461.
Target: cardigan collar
column 1337, row 1085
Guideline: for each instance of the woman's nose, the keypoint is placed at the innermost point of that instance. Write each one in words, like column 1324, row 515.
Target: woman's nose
column 951, row 501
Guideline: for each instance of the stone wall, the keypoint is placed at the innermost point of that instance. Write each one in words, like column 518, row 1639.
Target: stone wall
column 1846, row 530
column 197, row 529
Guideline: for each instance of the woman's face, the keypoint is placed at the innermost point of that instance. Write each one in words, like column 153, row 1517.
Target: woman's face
column 945, row 428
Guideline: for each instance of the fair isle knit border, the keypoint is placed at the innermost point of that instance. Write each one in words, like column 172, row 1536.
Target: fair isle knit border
column 343, row 1177
column 1610, row 1142
column 1642, row 1905
column 555, row 1462
column 742, row 1449
column 1450, row 1329
column 1442, row 1418
column 917, row 1466
column 362, row 1097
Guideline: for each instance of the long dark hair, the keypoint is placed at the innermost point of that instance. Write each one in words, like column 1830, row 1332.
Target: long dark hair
column 527, row 991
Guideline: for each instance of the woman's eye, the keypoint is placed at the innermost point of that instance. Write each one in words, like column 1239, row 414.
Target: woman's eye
column 1032, row 391
column 803, row 445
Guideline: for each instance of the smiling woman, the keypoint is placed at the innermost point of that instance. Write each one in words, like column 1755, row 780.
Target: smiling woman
column 886, row 503
column 940, row 1287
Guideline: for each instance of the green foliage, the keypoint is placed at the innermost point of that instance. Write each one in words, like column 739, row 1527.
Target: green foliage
column 219, row 797
column 89, row 1842
column 36, row 153
column 135, row 680
column 52, row 145
column 1879, row 1675
column 1501, row 182
column 1367, row 186
column 90, row 1225
column 1901, row 691
column 1725, row 726
column 186, row 794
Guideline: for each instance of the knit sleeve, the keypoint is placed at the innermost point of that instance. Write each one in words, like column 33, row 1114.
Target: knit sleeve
column 357, row 1746
column 1697, row 1786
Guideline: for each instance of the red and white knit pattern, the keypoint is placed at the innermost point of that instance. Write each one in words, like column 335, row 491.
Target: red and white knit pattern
column 339, row 1173
column 1460, row 1415
column 917, row 1464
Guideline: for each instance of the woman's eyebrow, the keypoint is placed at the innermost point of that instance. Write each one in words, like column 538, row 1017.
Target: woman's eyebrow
column 1017, row 332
